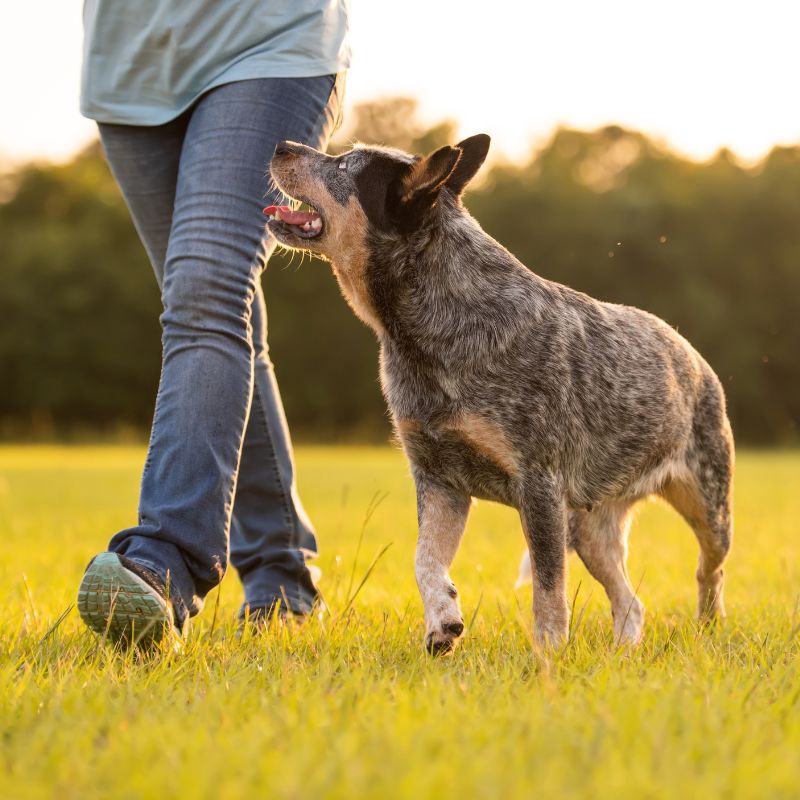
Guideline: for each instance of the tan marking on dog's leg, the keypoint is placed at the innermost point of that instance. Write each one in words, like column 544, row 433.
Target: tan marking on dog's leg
column 712, row 528
column 442, row 517
column 404, row 428
column 600, row 538
column 488, row 438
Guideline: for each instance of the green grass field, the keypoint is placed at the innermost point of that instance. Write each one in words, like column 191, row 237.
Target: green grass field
column 350, row 706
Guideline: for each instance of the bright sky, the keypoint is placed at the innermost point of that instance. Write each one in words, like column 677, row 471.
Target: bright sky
column 698, row 74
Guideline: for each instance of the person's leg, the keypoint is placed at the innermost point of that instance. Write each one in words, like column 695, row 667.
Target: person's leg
column 210, row 281
column 144, row 161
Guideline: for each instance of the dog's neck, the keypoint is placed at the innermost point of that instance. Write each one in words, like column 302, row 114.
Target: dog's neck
column 452, row 294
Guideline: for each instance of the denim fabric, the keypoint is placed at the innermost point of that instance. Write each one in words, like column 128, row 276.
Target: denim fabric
column 219, row 475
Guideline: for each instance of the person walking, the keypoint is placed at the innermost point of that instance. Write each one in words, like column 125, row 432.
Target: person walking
column 191, row 97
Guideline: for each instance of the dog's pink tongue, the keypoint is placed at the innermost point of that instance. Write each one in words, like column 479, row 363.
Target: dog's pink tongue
column 285, row 214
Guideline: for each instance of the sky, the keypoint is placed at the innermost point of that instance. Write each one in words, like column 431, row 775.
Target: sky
column 695, row 74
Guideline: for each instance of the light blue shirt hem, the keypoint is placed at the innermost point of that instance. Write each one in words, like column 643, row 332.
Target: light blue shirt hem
column 125, row 113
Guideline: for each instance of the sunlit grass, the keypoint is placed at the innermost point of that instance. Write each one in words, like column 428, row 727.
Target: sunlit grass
column 349, row 705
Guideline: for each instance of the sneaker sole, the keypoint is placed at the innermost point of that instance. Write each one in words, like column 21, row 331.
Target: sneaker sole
column 118, row 604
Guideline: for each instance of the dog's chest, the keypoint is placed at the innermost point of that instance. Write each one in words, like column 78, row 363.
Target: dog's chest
column 445, row 434
column 465, row 452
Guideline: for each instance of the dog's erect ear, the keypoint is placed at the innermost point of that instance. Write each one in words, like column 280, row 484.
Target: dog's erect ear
column 473, row 154
column 421, row 185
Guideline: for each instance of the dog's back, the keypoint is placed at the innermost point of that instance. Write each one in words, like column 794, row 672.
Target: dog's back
column 602, row 394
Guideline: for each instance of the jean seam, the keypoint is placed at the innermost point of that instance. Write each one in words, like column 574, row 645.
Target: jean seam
column 149, row 457
column 291, row 519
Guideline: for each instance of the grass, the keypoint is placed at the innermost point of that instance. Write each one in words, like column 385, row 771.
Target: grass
column 349, row 706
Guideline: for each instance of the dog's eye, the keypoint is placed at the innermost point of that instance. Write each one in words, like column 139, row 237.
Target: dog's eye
column 343, row 165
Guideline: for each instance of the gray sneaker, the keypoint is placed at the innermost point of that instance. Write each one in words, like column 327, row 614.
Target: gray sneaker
column 125, row 601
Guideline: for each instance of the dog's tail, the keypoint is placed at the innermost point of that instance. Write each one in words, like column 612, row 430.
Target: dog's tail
column 525, row 574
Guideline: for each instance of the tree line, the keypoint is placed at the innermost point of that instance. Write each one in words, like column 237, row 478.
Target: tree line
column 712, row 247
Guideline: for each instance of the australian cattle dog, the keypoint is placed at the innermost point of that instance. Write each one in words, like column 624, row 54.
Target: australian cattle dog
column 506, row 386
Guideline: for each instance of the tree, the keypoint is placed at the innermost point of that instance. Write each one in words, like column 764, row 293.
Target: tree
column 713, row 248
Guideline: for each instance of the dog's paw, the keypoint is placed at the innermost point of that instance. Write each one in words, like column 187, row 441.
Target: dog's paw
column 628, row 624
column 443, row 640
column 551, row 637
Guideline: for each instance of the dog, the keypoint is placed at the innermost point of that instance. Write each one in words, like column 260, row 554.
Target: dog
column 506, row 386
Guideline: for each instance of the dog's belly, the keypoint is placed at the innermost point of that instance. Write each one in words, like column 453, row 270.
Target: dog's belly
column 449, row 458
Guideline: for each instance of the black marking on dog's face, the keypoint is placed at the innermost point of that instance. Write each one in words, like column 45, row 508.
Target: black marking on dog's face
column 337, row 181
column 377, row 185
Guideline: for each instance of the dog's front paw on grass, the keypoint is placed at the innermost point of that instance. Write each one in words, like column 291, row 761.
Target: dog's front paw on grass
column 628, row 627
column 443, row 640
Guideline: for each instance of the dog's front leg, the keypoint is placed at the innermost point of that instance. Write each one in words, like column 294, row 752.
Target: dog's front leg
column 442, row 515
column 544, row 520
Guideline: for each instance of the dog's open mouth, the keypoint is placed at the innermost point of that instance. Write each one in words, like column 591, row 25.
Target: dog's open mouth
column 303, row 222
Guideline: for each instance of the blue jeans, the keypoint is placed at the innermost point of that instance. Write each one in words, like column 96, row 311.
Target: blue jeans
column 219, row 475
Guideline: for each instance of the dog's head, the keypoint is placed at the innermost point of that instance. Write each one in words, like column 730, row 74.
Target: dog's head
column 368, row 189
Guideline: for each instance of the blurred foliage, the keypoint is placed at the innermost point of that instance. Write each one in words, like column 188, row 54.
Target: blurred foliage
column 393, row 121
column 713, row 248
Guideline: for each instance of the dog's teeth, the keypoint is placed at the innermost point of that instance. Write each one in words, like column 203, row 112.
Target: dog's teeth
column 316, row 223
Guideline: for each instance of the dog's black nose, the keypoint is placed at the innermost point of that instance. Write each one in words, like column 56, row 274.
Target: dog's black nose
column 286, row 148
column 456, row 628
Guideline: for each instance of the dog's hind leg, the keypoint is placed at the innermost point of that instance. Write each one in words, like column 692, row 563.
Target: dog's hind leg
column 703, row 497
column 442, row 514
column 710, row 519
column 600, row 538
column 544, row 520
